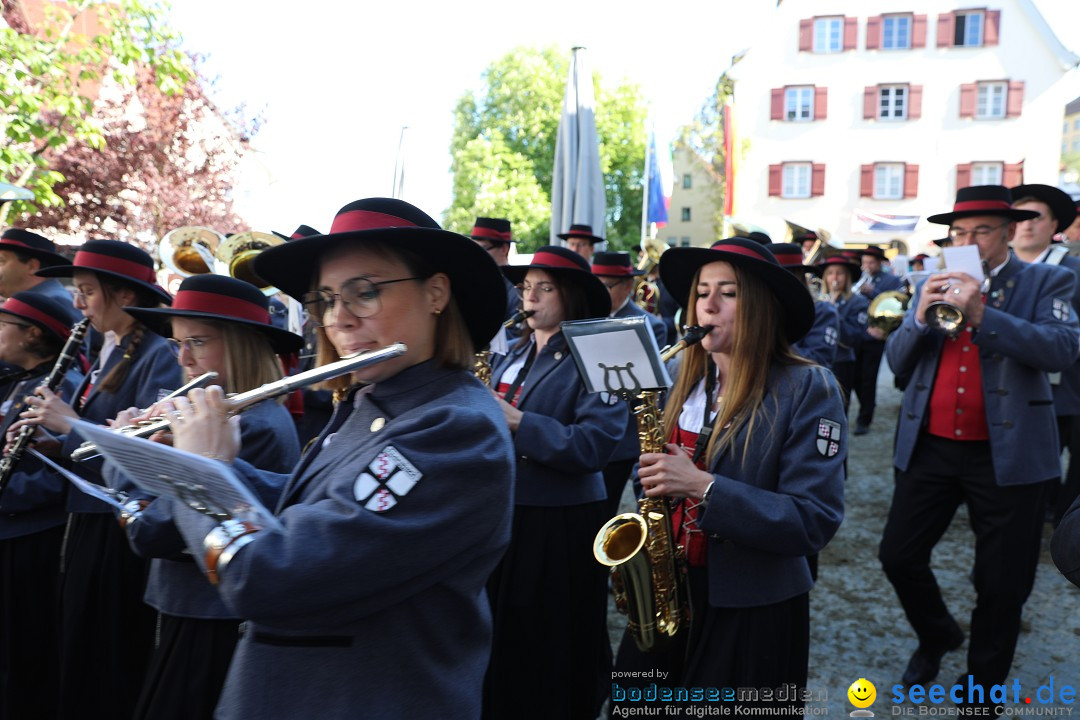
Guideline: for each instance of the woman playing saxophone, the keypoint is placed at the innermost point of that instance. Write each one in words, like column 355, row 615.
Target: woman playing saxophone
column 757, row 438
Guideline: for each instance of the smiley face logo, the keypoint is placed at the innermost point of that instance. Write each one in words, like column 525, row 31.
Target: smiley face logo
column 862, row 693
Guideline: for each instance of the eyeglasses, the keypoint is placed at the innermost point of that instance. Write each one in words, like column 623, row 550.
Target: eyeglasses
column 612, row 284
column 544, row 288
column 195, row 346
column 983, row 231
column 359, row 296
column 21, row 326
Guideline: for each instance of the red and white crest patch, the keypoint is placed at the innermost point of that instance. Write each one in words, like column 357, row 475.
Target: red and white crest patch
column 387, row 478
column 828, row 437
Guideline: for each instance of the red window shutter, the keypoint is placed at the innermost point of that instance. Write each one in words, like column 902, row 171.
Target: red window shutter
column 777, row 104
column 866, row 181
column 776, row 177
column 851, row 33
column 806, row 35
column 873, row 32
column 963, row 175
column 911, row 180
column 817, row 179
column 918, row 31
column 1013, row 174
column 821, row 102
column 946, row 25
column 914, row 109
column 1015, row 99
column 992, row 27
column 869, row 102
column 967, row 99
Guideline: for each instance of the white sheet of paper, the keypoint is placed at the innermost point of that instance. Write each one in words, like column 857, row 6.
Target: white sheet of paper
column 204, row 485
column 115, row 498
column 619, row 348
column 930, row 263
column 964, row 259
column 899, row 265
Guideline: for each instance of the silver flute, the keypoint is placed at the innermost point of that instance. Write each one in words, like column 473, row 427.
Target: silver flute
column 285, row 385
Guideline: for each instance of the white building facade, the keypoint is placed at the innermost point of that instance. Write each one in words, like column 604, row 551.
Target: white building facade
column 862, row 117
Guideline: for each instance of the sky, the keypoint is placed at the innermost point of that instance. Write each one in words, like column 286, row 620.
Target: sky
column 336, row 81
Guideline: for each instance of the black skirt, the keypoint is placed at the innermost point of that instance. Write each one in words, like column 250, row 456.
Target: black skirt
column 188, row 668
column 29, row 665
column 764, row 650
column 549, row 601
column 106, row 629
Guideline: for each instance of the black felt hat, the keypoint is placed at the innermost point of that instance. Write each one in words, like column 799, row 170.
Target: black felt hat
column 982, row 200
column 116, row 260
column 614, row 264
column 1060, row 203
column 217, row 297
column 679, row 265
column 19, row 240
column 492, row 229
column 581, row 231
column 41, row 310
column 568, row 266
column 476, row 284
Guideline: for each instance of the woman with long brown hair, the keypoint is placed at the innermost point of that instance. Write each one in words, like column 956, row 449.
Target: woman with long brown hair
column 757, row 438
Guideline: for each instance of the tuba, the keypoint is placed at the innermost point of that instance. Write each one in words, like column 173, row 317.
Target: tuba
column 189, row 250
column 236, row 253
column 646, row 564
column 646, row 292
column 887, row 310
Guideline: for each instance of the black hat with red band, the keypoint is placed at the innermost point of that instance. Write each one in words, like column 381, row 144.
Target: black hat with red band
column 678, row 266
column 581, row 231
column 567, row 265
column 1060, row 202
column 119, row 261
column 302, row 231
column 614, row 264
column 32, row 244
column 790, row 256
column 225, row 299
column 41, row 310
column 475, row 283
column 495, row 230
column 843, row 261
column 979, row 200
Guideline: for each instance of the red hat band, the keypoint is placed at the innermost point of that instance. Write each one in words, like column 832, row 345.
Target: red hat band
column 97, row 261
column 738, row 250
column 489, row 233
column 970, row 205
column 17, row 307
column 355, row 220
column 553, row 260
column 216, row 304
column 612, row 270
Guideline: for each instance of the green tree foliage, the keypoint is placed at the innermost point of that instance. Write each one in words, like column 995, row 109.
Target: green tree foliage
column 53, row 71
column 503, row 148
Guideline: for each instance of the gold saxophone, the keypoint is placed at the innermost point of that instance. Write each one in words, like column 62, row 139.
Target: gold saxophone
column 647, row 571
column 482, row 364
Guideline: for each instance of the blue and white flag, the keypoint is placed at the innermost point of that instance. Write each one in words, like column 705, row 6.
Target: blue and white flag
column 865, row 221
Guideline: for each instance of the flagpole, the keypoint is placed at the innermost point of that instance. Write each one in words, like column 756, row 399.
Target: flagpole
column 645, row 185
column 398, row 188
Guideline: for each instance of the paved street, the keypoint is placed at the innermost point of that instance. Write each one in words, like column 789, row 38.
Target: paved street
column 858, row 629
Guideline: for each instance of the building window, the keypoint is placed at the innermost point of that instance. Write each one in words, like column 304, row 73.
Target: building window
column 889, row 181
column 685, row 242
column 986, row 173
column 1076, row 124
column 799, row 103
column 796, row 180
column 687, row 181
column 892, row 102
column 686, row 214
column 896, row 32
column 828, row 34
column 969, row 29
column 990, row 100
column 1076, row 144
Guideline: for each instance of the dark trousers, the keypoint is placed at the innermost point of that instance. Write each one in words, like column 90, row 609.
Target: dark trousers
column 1007, row 522
column 616, row 474
column 1062, row 496
column 845, row 375
column 867, row 362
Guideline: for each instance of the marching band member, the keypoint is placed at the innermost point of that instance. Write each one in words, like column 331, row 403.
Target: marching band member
column 868, row 352
column 223, row 325
column 549, row 596
column 370, row 601
column 761, row 491
column 838, row 274
column 977, row 427
column 495, row 236
column 819, row 343
column 33, row 330
column 102, row 580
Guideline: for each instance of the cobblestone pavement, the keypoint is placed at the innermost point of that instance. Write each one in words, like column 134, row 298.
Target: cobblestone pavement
column 857, row 627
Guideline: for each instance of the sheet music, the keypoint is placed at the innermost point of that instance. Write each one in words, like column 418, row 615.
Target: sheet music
column 206, row 486
column 115, row 498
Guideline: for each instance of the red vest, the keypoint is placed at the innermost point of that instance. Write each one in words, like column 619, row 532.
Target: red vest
column 684, row 516
column 957, row 408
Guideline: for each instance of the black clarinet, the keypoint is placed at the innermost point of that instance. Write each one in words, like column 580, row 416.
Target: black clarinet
column 56, row 376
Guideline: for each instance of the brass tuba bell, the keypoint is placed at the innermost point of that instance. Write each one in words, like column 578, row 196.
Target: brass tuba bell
column 189, row 250
column 887, row 310
column 235, row 255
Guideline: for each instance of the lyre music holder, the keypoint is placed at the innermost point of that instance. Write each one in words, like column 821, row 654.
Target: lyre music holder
column 616, row 355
